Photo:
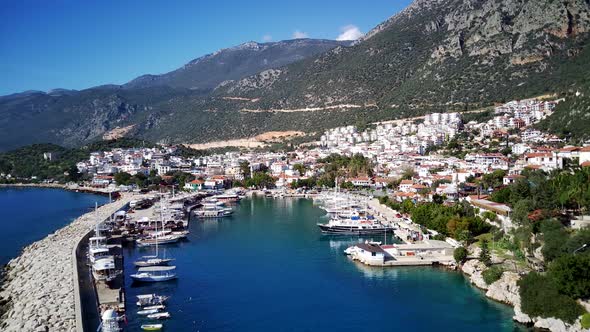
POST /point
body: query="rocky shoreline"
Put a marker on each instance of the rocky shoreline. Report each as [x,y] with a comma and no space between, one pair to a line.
[37,291]
[506,290]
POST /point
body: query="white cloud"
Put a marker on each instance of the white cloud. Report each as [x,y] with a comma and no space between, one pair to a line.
[300,34]
[266,38]
[349,32]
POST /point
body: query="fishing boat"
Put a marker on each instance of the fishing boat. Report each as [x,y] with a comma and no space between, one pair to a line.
[104,269]
[151,299]
[159,315]
[151,327]
[154,274]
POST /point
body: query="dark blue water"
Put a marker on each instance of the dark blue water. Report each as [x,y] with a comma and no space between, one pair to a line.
[29,214]
[269,268]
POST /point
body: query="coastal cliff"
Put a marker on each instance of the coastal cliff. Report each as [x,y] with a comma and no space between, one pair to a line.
[506,290]
[38,289]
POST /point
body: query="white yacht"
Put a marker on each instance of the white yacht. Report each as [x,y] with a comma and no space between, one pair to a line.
[354,225]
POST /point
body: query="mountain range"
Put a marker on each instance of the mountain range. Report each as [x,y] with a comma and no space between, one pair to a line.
[436,55]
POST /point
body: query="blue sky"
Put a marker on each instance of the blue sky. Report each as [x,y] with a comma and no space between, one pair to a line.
[76,44]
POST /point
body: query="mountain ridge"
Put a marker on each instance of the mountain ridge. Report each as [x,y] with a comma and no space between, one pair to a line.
[434,56]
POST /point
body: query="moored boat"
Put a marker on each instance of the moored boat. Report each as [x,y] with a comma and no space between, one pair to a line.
[159,315]
[151,327]
[151,299]
[354,225]
[146,312]
[152,261]
[154,274]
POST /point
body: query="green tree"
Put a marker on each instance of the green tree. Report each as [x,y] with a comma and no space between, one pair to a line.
[484,255]
[571,274]
[300,168]
[261,180]
[540,296]
[554,238]
[460,254]
[492,274]
[521,211]
[245,169]
[123,178]
[501,195]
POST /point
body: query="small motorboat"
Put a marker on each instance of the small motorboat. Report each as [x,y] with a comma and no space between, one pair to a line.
[151,327]
[150,299]
[158,307]
[148,312]
[159,315]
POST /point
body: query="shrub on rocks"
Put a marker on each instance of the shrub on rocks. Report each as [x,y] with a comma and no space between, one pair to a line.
[586,321]
[460,254]
[540,296]
[492,274]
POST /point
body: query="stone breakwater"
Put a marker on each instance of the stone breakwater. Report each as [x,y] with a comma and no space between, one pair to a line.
[506,290]
[38,287]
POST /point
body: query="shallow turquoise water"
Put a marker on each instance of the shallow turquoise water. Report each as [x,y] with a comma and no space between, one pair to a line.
[29,214]
[269,268]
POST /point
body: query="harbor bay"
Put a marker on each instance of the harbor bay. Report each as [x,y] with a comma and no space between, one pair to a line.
[29,214]
[268,266]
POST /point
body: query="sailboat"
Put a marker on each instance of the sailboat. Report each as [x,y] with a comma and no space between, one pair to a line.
[154,260]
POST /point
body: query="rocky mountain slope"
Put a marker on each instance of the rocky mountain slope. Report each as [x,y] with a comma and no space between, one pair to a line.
[436,55]
[206,72]
[72,117]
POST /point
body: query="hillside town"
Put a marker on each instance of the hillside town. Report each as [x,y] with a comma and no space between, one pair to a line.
[438,155]
[439,183]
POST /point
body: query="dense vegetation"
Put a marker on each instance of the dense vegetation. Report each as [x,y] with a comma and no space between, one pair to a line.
[458,221]
[541,203]
[540,296]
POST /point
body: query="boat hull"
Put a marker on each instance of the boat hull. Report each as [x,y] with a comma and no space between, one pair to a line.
[153,278]
[353,230]
[159,262]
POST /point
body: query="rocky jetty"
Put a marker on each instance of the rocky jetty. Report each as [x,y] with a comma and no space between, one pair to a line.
[37,293]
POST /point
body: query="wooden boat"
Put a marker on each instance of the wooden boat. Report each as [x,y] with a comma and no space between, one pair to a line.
[151,327]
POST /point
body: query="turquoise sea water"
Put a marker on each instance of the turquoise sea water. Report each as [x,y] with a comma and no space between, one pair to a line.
[268,268]
[29,214]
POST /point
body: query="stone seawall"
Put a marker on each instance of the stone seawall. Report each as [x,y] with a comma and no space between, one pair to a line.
[39,286]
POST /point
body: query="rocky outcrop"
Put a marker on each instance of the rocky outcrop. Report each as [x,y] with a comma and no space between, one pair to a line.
[506,290]
[474,268]
[38,286]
